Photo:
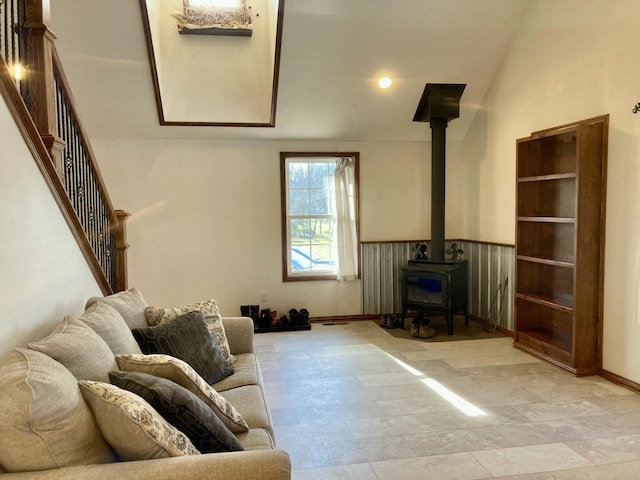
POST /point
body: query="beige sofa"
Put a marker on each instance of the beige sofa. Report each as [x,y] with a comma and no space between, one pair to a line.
[43,395]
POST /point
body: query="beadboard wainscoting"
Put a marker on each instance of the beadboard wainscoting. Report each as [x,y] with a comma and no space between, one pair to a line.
[491,277]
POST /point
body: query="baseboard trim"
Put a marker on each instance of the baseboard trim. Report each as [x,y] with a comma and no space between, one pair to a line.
[619,380]
[492,325]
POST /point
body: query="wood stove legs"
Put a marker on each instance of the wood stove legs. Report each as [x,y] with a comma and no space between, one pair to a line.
[448,315]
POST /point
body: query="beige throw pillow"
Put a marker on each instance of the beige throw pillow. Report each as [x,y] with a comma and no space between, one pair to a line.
[129,303]
[209,308]
[80,349]
[107,322]
[44,421]
[133,428]
[183,374]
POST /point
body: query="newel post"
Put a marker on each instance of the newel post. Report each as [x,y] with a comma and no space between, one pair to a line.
[121,250]
[40,75]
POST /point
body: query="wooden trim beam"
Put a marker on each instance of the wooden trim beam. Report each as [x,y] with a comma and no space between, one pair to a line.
[121,251]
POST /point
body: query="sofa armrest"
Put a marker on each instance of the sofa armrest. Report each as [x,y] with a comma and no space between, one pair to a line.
[247,465]
[239,332]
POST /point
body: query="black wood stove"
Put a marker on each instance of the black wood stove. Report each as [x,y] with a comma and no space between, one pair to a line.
[437,285]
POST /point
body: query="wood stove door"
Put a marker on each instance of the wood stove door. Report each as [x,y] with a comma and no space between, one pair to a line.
[425,289]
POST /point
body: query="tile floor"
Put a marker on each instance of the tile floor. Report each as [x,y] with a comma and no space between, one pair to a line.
[352,402]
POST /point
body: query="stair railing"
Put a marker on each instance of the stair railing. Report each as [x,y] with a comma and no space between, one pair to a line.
[31,67]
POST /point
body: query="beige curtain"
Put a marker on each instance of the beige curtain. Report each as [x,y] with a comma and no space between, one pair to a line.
[347,239]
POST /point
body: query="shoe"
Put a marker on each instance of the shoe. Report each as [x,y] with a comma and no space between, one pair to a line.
[255,313]
[294,317]
[304,316]
[250,311]
[425,330]
[264,320]
[383,320]
[415,328]
[393,321]
[273,318]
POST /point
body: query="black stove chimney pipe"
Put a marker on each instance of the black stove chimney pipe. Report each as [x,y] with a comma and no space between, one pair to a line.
[440,103]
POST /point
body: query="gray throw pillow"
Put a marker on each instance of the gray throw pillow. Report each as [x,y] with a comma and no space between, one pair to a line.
[180,372]
[187,338]
[180,408]
[209,308]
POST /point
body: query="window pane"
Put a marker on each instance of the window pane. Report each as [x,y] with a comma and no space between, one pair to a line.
[299,261]
[320,174]
[311,249]
[300,231]
[298,175]
[299,202]
[319,202]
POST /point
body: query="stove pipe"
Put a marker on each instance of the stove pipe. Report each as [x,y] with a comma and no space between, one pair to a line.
[440,103]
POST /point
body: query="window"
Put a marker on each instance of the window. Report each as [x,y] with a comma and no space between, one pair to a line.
[320,226]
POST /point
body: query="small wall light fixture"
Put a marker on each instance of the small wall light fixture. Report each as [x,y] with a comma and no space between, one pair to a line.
[18,71]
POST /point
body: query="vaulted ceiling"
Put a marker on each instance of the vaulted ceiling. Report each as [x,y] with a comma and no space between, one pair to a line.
[333,52]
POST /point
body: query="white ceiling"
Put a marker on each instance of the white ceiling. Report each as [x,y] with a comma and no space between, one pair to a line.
[333,52]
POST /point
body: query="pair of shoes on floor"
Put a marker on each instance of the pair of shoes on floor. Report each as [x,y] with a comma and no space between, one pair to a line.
[252,311]
[299,317]
[421,329]
[389,320]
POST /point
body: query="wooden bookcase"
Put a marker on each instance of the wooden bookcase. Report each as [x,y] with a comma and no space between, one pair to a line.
[560,213]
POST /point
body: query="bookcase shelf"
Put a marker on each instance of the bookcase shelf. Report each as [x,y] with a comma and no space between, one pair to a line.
[560,190]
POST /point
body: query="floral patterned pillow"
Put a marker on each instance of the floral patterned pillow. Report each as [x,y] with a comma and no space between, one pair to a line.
[131,426]
[209,308]
[183,374]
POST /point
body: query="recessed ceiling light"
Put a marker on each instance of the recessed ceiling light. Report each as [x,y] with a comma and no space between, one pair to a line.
[385,82]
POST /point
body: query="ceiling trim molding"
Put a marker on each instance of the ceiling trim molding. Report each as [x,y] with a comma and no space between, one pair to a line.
[156,83]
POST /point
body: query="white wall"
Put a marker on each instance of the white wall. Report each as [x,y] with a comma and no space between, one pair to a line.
[206,217]
[571,60]
[43,274]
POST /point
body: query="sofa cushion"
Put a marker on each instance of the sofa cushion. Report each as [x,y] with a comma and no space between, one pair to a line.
[187,338]
[245,372]
[107,322]
[250,402]
[182,409]
[209,308]
[80,349]
[131,426]
[256,439]
[183,374]
[44,421]
[129,303]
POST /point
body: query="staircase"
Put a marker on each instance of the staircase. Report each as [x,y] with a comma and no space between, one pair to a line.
[34,86]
